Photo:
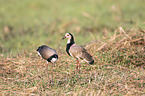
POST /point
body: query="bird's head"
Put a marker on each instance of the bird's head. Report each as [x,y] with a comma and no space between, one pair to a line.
[70,37]
[67,35]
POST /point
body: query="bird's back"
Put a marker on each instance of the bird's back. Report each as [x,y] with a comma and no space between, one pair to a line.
[46,51]
[79,52]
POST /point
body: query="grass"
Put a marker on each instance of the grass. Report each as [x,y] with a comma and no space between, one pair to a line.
[118,70]
[42,19]
[119,52]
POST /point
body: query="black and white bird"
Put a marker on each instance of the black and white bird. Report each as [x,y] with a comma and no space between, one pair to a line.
[48,54]
[77,51]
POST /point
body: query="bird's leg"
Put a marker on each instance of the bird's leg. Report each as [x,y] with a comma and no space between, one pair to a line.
[47,70]
[77,64]
[52,70]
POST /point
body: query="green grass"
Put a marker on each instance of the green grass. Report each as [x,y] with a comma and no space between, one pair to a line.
[119,63]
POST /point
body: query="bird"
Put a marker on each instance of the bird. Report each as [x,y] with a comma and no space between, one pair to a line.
[48,54]
[77,51]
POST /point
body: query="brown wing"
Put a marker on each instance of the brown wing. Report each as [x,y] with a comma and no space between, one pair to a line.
[75,51]
[79,52]
[86,55]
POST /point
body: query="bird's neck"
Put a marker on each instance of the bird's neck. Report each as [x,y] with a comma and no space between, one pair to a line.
[68,47]
[70,40]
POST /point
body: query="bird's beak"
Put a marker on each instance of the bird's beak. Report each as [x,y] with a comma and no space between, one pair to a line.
[63,38]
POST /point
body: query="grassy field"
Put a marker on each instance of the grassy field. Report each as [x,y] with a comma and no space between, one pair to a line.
[112,31]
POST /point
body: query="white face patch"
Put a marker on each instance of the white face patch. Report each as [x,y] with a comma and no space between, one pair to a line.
[54,60]
[67,35]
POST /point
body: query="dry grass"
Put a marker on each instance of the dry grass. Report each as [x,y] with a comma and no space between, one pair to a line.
[119,70]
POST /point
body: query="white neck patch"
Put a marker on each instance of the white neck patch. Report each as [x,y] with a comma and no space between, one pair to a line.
[68,41]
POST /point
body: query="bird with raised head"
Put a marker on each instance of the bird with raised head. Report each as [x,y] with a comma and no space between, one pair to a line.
[77,51]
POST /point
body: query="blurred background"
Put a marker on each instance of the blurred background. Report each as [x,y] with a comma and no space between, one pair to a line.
[27,24]
[112,31]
